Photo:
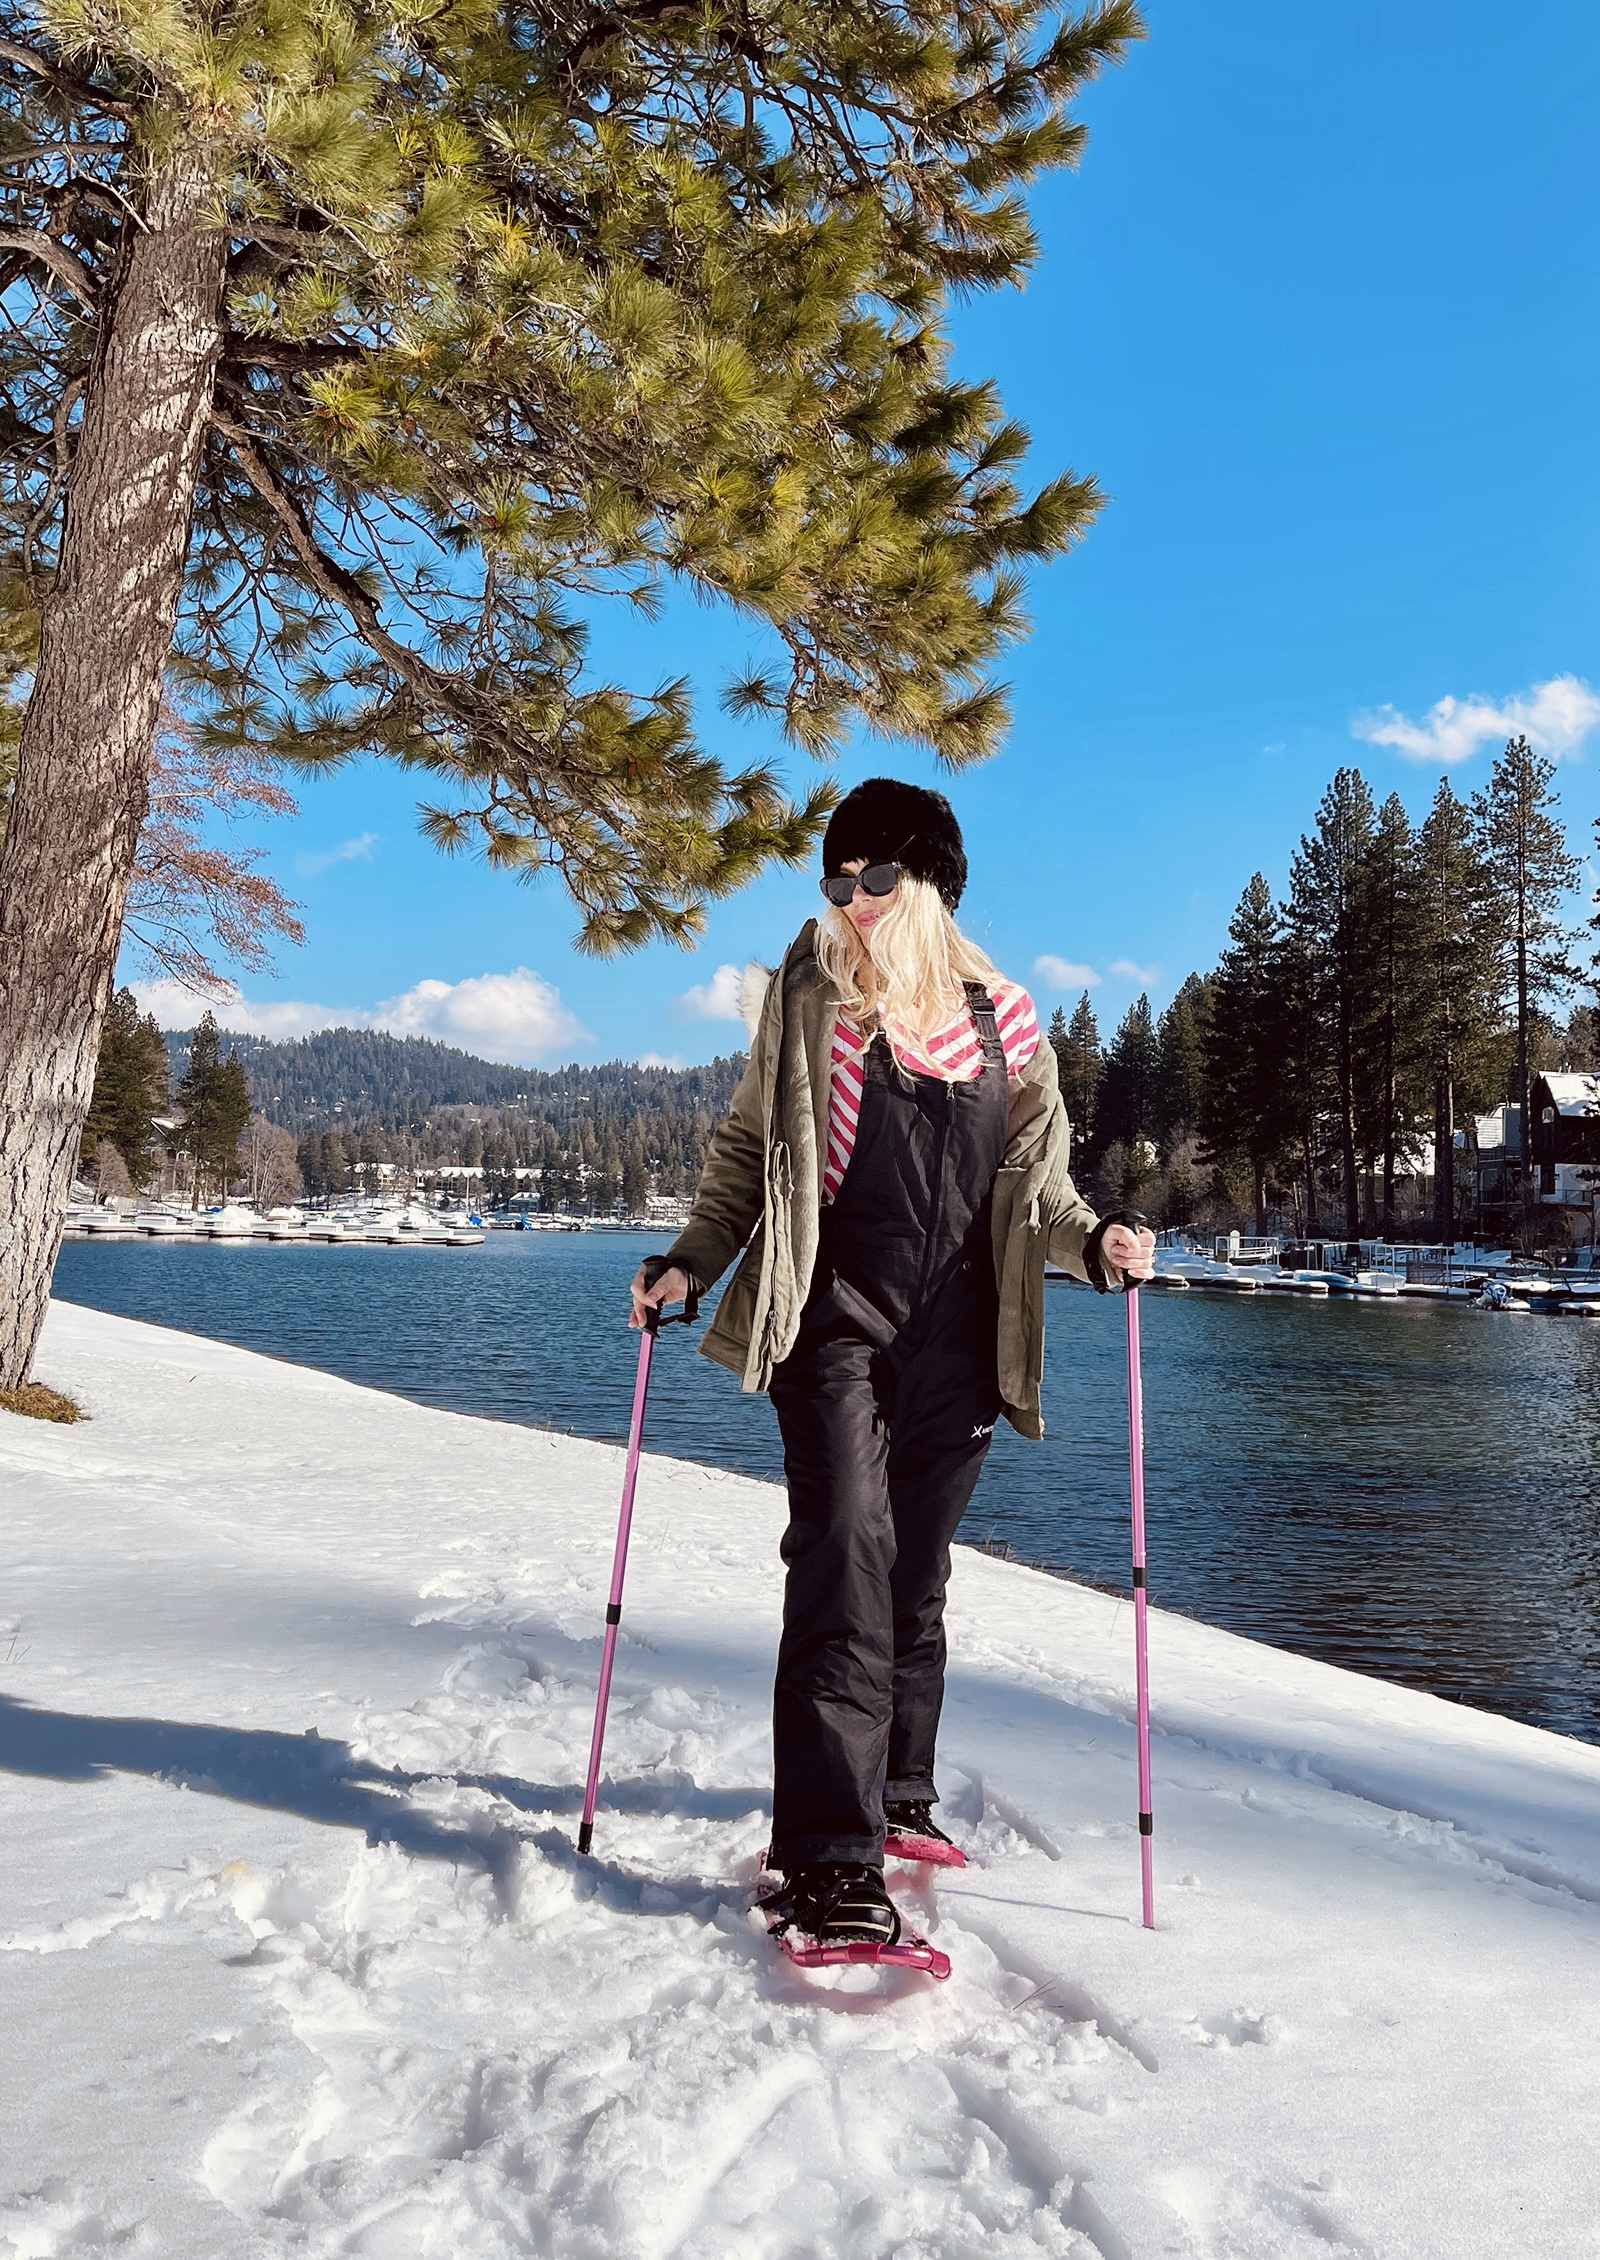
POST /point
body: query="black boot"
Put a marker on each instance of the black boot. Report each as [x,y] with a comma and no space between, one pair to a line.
[912,1816]
[836,1902]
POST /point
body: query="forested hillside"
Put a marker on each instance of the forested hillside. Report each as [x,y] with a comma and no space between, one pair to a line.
[346,1075]
[358,1101]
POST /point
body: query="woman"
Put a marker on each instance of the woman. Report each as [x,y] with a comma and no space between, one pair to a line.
[894,1166]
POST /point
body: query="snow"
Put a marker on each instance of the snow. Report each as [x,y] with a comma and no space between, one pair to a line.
[298,1955]
[1574,1095]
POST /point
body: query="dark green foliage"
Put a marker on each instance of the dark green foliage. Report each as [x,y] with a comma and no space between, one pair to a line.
[533,308]
[1326,902]
[1457,1022]
[1080,1063]
[1127,1110]
[1528,871]
[1181,1066]
[130,1087]
[1247,1114]
[213,1109]
[1391,1100]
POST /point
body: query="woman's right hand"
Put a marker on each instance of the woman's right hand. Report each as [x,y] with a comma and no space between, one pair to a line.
[671,1287]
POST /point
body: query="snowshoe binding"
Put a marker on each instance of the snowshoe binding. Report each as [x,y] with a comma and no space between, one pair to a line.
[910,1833]
[837,1911]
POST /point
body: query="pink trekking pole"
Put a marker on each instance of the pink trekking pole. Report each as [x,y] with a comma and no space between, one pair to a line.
[1141,1648]
[619,1560]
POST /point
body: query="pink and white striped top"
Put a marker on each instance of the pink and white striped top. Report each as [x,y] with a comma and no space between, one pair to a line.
[955,1055]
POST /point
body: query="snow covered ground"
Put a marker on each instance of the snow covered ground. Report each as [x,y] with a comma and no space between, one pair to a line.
[298,1955]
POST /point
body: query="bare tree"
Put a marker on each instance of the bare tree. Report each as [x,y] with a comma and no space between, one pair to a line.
[271,1163]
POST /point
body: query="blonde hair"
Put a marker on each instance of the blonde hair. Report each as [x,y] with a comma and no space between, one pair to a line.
[914,958]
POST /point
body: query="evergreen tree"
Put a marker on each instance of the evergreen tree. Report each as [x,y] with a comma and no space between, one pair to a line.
[1181,1069]
[1080,1064]
[1304,1064]
[130,1086]
[1246,1113]
[1528,869]
[1327,894]
[213,1109]
[1393,1089]
[635,1176]
[1456,1012]
[370,345]
[1125,1112]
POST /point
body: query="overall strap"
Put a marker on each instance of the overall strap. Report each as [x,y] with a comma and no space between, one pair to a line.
[981,1006]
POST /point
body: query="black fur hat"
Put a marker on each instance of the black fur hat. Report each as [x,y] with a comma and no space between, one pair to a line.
[884,821]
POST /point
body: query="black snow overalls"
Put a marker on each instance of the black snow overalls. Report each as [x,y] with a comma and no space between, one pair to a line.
[886,1405]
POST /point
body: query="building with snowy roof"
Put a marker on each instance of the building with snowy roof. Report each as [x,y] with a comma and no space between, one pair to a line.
[1564,1137]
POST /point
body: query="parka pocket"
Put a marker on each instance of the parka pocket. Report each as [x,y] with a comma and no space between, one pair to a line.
[1019,1266]
[780,1273]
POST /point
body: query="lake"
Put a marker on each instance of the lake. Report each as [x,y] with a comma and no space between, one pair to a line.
[1409,1489]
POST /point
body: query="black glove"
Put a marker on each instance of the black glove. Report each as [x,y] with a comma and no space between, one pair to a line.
[1093,1262]
[653,1268]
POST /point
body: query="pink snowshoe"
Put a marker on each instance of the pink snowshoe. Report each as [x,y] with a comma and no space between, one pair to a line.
[910,1833]
[838,1913]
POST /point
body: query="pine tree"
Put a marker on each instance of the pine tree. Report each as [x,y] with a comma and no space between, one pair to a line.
[1125,1112]
[1394,1096]
[1456,1011]
[362,348]
[213,1109]
[1247,1114]
[1528,869]
[1327,889]
[1181,1071]
[1080,1064]
[130,1086]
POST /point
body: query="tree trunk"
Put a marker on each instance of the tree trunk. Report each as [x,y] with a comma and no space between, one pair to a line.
[84,763]
[1347,1126]
[1520,1095]
[1313,1207]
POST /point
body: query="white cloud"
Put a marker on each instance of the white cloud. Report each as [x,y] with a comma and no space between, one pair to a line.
[1555,718]
[716,999]
[660,1059]
[175,1006]
[517,1016]
[1061,973]
[359,850]
[1125,970]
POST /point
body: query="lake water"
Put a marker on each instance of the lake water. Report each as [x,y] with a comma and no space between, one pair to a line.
[1409,1489]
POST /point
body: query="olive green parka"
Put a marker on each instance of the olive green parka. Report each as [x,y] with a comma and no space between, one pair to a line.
[761,1191]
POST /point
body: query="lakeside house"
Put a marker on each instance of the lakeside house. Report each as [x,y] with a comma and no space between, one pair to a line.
[1564,1138]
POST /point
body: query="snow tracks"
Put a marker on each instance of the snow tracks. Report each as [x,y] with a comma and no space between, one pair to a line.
[531,2053]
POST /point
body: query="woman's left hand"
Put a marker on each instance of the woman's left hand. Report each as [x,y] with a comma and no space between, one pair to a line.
[1125,1250]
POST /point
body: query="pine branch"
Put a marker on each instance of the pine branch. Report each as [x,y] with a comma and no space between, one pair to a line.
[66,83]
[64,264]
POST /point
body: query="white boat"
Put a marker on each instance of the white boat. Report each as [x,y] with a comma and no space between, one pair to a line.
[109,1224]
[230,1223]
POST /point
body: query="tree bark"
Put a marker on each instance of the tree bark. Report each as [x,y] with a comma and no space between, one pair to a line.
[1347,1123]
[84,763]
[1520,1095]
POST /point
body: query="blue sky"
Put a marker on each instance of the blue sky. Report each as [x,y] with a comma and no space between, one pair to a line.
[1320,313]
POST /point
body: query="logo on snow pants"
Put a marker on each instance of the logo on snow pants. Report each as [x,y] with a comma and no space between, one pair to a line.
[981,1431]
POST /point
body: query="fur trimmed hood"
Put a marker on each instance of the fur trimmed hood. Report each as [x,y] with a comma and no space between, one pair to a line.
[754,982]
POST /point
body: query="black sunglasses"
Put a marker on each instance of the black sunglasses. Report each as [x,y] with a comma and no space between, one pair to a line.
[877,879]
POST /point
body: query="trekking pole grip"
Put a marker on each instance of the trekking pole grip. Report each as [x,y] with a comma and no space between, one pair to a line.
[653,1267]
